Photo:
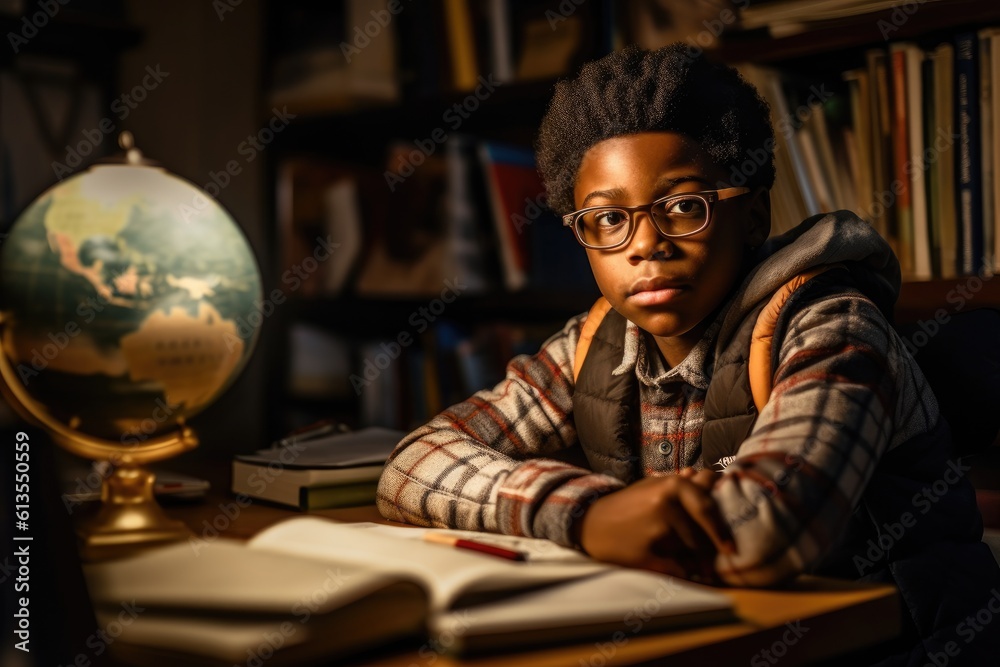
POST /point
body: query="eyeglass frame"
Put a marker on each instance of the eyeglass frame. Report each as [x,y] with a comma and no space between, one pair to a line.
[709,197]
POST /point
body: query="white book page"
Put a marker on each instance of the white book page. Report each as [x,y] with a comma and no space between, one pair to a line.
[535,550]
[225,575]
[448,572]
[637,600]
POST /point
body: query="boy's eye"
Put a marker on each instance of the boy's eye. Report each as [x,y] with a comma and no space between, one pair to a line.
[686,207]
[608,218]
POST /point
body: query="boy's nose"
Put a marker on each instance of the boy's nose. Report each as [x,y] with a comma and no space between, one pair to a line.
[647,242]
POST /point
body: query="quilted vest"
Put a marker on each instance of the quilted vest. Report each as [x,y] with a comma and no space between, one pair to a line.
[945,543]
[605,406]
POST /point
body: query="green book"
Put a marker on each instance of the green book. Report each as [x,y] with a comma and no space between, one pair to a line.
[337,495]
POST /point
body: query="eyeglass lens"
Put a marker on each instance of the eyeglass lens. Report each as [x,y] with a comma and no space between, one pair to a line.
[606,227]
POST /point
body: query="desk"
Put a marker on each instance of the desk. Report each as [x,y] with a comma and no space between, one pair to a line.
[831,617]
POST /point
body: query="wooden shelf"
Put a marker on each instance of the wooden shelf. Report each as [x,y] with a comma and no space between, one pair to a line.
[921,300]
[383,316]
[830,41]
[512,112]
[88,39]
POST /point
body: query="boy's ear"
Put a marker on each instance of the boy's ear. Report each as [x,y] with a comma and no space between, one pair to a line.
[759,217]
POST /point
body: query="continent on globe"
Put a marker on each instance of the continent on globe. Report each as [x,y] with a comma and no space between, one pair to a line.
[191,357]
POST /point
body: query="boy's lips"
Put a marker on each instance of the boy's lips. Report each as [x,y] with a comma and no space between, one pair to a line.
[655,291]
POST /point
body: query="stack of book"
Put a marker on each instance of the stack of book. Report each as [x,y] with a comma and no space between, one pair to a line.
[317,470]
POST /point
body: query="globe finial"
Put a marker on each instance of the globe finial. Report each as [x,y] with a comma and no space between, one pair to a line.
[127,143]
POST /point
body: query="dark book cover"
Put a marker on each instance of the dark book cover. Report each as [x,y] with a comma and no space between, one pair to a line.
[968,159]
[900,159]
[930,174]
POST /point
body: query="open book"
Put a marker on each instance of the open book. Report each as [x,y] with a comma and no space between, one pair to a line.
[310,588]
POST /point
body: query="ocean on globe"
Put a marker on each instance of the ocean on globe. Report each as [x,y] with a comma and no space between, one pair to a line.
[125,291]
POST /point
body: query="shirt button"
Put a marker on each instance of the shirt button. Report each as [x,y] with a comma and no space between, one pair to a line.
[665,447]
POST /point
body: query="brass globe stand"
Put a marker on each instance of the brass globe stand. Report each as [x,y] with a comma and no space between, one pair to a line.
[129,518]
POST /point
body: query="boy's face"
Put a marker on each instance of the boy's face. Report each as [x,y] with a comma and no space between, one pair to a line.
[668,286]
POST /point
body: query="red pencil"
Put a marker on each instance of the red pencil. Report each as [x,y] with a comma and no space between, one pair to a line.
[500,552]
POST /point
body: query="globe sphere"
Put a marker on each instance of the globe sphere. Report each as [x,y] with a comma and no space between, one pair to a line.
[126,294]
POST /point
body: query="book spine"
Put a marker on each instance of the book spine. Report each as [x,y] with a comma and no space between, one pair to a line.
[901,154]
[461,39]
[944,94]
[930,171]
[501,45]
[467,251]
[859,140]
[915,163]
[801,170]
[336,495]
[986,147]
[994,110]
[968,166]
[881,142]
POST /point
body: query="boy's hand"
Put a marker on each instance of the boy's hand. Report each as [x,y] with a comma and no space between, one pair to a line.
[667,524]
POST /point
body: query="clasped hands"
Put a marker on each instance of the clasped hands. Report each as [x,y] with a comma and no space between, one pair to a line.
[668,524]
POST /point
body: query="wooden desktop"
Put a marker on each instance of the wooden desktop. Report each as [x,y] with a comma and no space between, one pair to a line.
[815,619]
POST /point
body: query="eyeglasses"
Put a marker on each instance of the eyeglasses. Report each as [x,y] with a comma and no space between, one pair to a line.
[674,216]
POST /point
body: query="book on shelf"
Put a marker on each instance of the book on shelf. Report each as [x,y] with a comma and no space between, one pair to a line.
[968,163]
[344,227]
[329,59]
[943,168]
[515,190]
[330,590]
[986,149]
[320,224]
[860,140]
[929,173]
[901,166]
[876,62]
[915,161]
[335,470]
[990,109]
[434,232]
[520,40]
[788,199]
[501,40]
[471,257]
[461,43]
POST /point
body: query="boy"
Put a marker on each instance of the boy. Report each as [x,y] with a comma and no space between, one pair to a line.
[679,472]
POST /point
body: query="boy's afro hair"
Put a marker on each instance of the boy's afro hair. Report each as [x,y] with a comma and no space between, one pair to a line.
[633,90]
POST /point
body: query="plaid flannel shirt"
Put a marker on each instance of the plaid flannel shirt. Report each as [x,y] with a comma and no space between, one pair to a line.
[845,391]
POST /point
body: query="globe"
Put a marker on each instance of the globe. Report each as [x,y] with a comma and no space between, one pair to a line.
[123,290]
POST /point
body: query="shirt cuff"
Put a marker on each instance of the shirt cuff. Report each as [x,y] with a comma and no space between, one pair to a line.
[544,497]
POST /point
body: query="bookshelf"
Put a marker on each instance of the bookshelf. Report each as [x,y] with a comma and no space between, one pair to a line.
[355,138]
[834,55]
[361,135]
[827,45]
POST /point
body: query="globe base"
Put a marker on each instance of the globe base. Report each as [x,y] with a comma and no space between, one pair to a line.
[129,520]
